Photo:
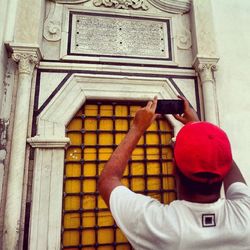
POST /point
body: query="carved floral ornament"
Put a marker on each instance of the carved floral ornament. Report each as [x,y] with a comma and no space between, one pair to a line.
[69,1]
[52,30]
[122,4]
[172,6]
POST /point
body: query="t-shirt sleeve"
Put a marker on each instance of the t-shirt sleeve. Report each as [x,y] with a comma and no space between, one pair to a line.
[238,190]
[126,207]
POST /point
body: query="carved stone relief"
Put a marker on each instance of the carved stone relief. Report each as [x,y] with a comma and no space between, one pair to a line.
[69,1]
[206,72]
[184,40]
[172,6]
[26,61]
[206,67]
[120,36]
[122,4]
[53,23]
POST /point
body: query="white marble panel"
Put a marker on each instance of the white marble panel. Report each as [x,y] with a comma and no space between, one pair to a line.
[47,199]
[122,69]
[119,36]
[187,87]
[48,83]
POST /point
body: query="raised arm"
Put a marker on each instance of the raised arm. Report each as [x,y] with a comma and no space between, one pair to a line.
[113,170]
[234,175]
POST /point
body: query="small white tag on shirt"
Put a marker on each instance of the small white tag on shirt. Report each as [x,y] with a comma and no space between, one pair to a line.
[208,220]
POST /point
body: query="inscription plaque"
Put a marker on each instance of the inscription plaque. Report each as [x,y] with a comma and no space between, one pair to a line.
[120,36]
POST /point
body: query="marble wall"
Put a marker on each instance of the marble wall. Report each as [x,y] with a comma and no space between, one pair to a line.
[68,74]
[3,62]
[7,79]
[231,19]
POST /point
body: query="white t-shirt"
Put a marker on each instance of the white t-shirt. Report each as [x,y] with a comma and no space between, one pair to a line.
[182,225]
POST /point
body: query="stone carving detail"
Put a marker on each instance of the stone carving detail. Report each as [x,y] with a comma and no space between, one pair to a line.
[26,62]
[52,25]
[52,142]
[122,4]
[69,1]
[120,37]
[52,30]
[206,72]
[205,67]
[184,40]
[172,6]
[183,35]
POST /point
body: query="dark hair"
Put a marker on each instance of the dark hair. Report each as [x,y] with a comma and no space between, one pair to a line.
[203,188]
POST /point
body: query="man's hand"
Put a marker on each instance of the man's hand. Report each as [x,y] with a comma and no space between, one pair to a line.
[189,114]
[144,117]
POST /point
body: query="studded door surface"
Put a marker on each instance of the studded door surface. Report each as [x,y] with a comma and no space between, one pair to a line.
[95,131]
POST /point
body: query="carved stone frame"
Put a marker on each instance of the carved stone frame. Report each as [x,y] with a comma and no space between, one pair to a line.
[116,59]
[50,141]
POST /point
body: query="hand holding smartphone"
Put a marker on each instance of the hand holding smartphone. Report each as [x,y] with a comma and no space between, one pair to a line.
[170,107]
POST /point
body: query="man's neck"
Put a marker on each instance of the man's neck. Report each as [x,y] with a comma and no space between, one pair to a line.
[199,198]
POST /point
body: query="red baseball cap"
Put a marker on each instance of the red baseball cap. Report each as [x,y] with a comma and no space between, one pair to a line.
[203,149]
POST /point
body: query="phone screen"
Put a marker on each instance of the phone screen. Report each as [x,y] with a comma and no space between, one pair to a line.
[170,107]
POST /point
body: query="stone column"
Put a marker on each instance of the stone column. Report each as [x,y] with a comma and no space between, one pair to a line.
[47,192]
[26,57]
[205,55]
[205,68]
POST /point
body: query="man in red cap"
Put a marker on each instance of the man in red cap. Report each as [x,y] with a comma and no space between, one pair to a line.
[199,219]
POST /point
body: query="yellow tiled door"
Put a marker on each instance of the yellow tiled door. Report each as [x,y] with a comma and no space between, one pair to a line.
[94,132]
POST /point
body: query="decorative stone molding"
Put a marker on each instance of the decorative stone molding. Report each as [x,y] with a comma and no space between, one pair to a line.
[69,1]
[42,142]
[206,67]
[172,6]
[123,70]
[26,62]
[27,56]
[52,30]
[52,25]
[206,72]
[122,4]
[184,39]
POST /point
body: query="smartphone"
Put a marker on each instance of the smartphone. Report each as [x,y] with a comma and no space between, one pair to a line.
[170,107]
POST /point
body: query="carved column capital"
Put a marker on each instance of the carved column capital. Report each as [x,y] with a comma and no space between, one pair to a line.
[26,62]
[27,56]
[206,72]
[205,67]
